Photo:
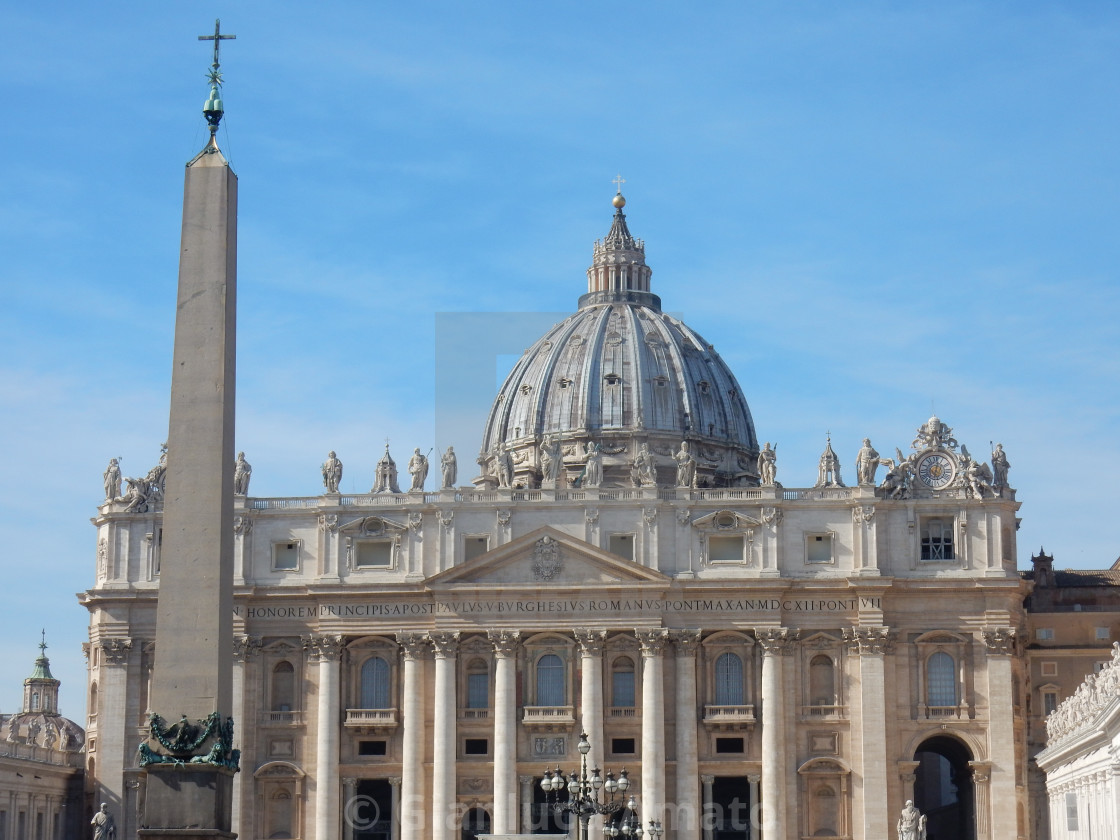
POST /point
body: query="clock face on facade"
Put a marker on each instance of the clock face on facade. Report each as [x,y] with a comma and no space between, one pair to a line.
[936,471]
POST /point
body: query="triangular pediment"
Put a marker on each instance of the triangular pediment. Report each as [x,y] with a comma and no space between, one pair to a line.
[547,557]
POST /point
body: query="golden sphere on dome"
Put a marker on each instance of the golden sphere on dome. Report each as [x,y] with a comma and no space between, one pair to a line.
[618,201]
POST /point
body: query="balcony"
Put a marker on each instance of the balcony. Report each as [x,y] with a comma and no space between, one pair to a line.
[468,715]
[944,711]
[728,718]
[622,713]
[284,718]
[548,718]
[825,712]
[371,720]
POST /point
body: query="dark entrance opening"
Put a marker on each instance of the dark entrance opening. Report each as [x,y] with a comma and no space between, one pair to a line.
[943,789]
[545,820]
[730,809]
[370,812]
[475,822]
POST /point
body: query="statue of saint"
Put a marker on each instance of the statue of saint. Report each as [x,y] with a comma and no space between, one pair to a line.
[551,462]
[686,466]
[999,467]
[504,463]
[241,473]
[332,472]
[911,823]
[418,469]
[103,826]
[449,466]
[593,469]
[768,465]
[867,462]
[112,480]
[643,472]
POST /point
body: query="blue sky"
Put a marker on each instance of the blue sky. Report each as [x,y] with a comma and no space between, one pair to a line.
[871,209]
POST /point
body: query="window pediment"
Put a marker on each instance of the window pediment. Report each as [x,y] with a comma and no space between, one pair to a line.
[372,526]
[725,520]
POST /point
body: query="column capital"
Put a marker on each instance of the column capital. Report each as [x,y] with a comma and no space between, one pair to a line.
[413,645]
[981,771]
[525,780]
[590,641]
[707,780]
[115,651]
[348,781]
[1000,641]
[777,641]
[246,647]
[323,647]
[873,640]
[445,644]
[685,641]
[754,778]
[395,781]
[505,642]
[653,641]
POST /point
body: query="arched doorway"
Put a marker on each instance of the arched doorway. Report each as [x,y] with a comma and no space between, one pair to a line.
[475,822]
[943,789]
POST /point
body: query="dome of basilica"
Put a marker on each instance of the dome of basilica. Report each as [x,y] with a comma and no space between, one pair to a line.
[616,375]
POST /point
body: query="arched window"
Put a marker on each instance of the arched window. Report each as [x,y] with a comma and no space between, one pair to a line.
[283,687]
[822,685]
[280,815]
[729,680]
[941,680]
[375,684]
[478,685]
[34,701]
[92,699]
[550,680]
[622,683]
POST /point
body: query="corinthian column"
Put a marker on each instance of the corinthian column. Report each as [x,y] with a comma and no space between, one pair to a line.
[327,651]
[445,645]
[1001,644]
[653,723]
[871,644]
[412,810]
[591,693]
[688,806]
[775,641]
[505,731]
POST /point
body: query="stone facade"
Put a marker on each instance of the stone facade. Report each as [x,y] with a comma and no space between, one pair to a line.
[795,661]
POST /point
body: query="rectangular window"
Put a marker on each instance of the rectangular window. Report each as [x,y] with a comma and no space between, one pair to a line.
[1049,702]
[725,549]
[372,747]
[475,547]
[1044,634]
[1104,633]
[374,554]
[622,545]
[285,556]
[729,745]
[818,548]
[622,746]
[1049,669]
[937,540]
[478,691]
[476,746]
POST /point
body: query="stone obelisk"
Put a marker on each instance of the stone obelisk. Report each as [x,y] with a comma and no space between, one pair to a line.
[189,758]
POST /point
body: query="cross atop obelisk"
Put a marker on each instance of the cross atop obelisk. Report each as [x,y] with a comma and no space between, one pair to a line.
[189,757]
[217,38]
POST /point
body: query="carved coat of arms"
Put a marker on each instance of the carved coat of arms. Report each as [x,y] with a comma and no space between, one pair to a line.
[547,562]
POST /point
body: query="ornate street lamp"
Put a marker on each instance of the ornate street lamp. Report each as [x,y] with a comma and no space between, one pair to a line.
[585,797]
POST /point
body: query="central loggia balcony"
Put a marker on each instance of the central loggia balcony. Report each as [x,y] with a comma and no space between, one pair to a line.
[729,718]
[548,718]
[371,720]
